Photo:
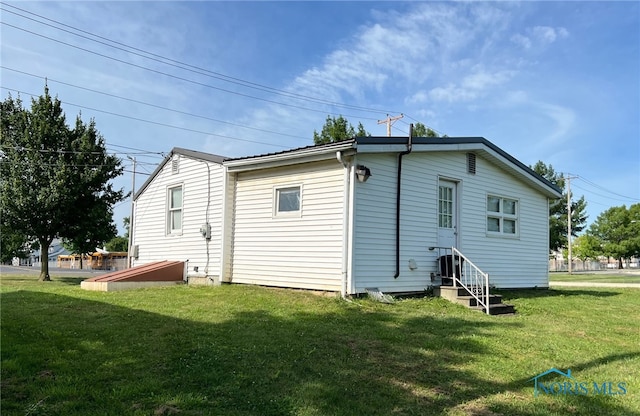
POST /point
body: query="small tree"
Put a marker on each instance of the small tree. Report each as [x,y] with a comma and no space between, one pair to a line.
[55,180]
[587,247]
[120,243]
[619,230]
[337,130]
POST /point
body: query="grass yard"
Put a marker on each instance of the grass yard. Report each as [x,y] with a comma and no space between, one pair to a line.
[596,277]
[246,350]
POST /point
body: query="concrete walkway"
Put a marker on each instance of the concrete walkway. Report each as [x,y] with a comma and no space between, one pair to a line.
[594,284]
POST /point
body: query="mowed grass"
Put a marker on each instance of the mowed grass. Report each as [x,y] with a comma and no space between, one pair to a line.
[247,350]
[596,277]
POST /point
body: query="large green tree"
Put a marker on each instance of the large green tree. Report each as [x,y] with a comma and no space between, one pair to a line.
[618,229]
[338,129]
[558,212]
[55,181]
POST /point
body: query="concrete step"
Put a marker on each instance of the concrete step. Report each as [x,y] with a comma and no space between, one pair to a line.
[499,309]
[463,297]
[450,292]
[471,301]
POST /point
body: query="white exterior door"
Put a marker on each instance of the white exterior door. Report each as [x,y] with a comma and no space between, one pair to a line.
[447,214]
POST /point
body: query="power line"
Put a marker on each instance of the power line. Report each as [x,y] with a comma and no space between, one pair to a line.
[178,77]
[418,121]
[181,65]
[189,67]
[138,150]
[152,122]
[215,75]
[606,190]
[153,105]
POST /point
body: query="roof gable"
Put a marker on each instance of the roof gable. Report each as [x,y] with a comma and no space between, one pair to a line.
[192,154]
[479,145]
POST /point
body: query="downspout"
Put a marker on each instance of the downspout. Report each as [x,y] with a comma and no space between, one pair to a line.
[398,189]
[345,224]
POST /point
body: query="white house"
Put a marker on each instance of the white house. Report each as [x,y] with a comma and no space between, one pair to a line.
[181,196]
[349,215]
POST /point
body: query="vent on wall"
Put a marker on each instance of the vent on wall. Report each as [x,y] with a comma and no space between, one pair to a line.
[471,163]
[175,163]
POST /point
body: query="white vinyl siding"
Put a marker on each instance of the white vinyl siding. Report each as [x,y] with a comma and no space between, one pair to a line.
[153,212]
[302,251]
[514,262]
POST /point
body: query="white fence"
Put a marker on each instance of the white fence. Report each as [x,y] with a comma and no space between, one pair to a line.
[114,265]
[561,265]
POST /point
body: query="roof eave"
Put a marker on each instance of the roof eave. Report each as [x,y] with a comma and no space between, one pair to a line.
[303,155]
[466,144]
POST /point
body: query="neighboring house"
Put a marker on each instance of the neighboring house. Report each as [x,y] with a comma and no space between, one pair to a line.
[347,216]
[56,248]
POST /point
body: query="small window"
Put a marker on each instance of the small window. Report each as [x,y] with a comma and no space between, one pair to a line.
[502,216]
[174,210]
[287,200]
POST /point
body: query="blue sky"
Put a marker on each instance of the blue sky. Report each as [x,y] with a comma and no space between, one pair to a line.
[551,81]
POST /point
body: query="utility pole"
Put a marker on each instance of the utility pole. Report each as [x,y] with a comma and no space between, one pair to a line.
[133,190]
[389,122]
[569,260]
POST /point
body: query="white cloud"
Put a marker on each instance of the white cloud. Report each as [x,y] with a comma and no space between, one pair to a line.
[539,36]
[563,118]
[471,87]
[546,34]
[521,40]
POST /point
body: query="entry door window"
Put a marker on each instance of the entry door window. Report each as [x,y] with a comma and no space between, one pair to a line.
[445,207]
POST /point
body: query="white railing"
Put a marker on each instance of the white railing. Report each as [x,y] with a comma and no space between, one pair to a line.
[471,278]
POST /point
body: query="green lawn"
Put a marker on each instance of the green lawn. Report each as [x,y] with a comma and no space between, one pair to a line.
[595,277]
[246,350]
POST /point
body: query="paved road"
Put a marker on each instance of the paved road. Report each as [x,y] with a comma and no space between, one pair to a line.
[53,271]
[594,284]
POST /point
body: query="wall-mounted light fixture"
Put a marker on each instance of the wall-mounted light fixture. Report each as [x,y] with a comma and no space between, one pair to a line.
[363,173]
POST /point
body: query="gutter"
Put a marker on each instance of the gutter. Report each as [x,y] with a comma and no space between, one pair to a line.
[398,189]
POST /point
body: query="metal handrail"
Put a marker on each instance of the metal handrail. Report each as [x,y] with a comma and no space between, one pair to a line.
[472,279]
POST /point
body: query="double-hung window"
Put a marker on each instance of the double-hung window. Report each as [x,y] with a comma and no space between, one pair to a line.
[174,210]
[502,216]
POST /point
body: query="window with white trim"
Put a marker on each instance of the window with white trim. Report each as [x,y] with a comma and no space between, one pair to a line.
[174,210]
[288,201]
[445,206]
[502,216]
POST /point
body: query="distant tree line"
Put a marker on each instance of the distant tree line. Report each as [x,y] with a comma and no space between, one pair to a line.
[615,234]
[337,129]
